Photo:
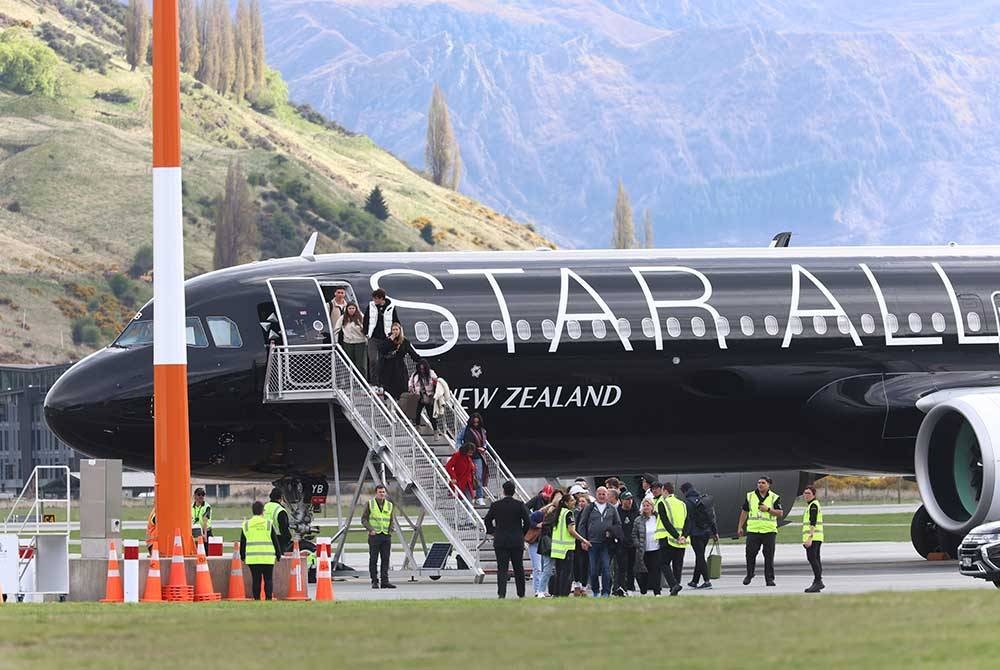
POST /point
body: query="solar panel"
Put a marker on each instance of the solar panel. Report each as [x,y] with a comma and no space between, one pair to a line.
[437,556]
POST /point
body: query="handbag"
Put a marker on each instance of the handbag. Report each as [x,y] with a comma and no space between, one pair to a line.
[532,535]
[715,562]
[545,545]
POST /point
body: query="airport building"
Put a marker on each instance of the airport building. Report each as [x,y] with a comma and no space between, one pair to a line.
[25,439]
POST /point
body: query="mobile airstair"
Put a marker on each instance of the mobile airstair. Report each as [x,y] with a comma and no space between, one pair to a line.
[324,373]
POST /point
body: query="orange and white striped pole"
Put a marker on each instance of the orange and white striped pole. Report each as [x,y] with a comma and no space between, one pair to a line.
[170,394]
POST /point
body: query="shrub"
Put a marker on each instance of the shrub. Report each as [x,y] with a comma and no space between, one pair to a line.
[85,331]
[14,206]
[118,96]
[270,96]
[26,65]
[427,233]
[142,262]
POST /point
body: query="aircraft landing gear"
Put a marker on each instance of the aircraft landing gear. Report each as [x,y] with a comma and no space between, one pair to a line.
[927,538]
[304,495]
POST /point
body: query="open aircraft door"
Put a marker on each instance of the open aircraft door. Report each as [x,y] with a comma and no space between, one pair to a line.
[301,311]
[995,301]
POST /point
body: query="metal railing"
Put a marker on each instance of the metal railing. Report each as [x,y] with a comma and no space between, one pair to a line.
[31,503]
[312,372]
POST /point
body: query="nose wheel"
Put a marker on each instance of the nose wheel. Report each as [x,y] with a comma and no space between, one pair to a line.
[928,538]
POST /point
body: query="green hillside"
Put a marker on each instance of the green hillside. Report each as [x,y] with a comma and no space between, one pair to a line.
[76,188]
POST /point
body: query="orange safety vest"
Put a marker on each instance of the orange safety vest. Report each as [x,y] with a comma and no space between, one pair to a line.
[151,534]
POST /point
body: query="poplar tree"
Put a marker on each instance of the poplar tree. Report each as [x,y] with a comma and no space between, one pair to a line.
[244,80]
[257,44]
[137,32]
[227,47]
[190,43]
[208,70]
[237,235]
[623,236]
[444,162]
[647,224]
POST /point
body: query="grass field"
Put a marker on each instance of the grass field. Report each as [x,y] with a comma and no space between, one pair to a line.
[878,630]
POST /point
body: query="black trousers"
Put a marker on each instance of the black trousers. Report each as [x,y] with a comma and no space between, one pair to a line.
[430,412]
[812,555]
[756,541]
[504,557]
[257,573]
[624,571]
[651,579]
[667,563]
[564,574]
[699,543]
[581,566]
[379,546]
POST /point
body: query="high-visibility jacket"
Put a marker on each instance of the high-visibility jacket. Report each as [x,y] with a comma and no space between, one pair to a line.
[661,530]
[380,519]
[677,515]
[271,512]
[757,521]
[562,541]
[199,513]
[818,533]
[259,547]
[151,533]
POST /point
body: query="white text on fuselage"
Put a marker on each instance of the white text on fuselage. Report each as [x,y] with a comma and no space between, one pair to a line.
[658,307]
[531,397]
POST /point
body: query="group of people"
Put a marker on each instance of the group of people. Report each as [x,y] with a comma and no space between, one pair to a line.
[615,541]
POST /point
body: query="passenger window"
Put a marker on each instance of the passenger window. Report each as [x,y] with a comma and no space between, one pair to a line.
[421,331]
[795,323]
[819,325]
[625,328]
[224,331]
[647,327]
[548,329]
[599,328]
[974,324]
[722,325]
[698,326]
[573,329]
[746,325]
[674,327]
[472,331]
[843,324]
[771,325]
[868,323]
[447,331]
[914,322]
[893,323]
[499,332]
[524,330]
[195,332]
[937,322]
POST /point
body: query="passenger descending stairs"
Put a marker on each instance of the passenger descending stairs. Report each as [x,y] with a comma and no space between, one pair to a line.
[324,373]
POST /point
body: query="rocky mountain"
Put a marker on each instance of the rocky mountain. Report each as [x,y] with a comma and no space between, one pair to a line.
[844,121]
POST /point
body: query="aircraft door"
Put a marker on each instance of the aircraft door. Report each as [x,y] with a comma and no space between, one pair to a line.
[301,311]
[995,301]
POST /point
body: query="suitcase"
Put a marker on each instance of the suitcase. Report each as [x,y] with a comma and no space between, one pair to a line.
[715,562]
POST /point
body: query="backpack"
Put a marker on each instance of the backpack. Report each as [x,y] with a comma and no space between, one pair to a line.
[703,511]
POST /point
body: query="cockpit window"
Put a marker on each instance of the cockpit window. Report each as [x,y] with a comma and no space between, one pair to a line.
[194,332]
[136,334]
[225,334]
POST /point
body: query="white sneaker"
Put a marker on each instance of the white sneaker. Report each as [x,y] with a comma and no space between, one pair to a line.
[480,501]
[540,595]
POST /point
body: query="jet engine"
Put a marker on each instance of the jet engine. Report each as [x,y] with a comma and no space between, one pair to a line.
[957,460]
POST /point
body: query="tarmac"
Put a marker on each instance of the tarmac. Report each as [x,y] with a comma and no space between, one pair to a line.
[855,567]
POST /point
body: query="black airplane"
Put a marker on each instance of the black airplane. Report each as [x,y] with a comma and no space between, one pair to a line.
[799,360]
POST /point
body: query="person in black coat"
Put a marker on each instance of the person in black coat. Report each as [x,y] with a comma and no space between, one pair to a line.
[394,377]
[507,521]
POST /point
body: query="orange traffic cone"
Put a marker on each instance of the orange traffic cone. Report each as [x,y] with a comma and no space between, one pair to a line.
[324,577]
[203,590]
[113,592]
[296,583]
[154,585]
[178,590]
[236,589]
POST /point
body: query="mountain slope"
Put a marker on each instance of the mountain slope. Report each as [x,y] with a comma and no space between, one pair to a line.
[76,190]
[846,122]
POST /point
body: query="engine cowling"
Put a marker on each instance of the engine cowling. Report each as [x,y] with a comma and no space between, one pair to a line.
[957,459]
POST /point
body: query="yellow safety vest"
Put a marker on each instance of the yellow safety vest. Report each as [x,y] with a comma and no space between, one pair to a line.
[562,541]
[757,521]
[677,512]
[198,512]
[259,547]
[271,511]
[379,519]
[661,530]
[818,533]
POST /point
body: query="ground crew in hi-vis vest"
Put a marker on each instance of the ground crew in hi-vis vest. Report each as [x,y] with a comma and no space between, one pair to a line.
[564,539]
[759,522]
[672,527]
[259,550]
[812,536]
[377,520]
[201,516]
[276,513]
[151,533]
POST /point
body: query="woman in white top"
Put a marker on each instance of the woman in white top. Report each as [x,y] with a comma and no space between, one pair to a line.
[647,550]
[352,336]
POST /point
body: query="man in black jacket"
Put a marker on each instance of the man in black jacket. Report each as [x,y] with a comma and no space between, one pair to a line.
[625,576]
[703,528]
[508,521]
